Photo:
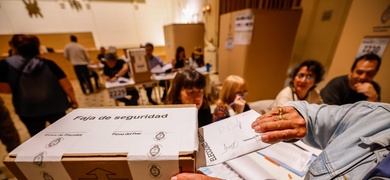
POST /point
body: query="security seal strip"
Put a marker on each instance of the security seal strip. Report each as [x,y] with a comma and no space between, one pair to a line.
[161,159]
[95,131]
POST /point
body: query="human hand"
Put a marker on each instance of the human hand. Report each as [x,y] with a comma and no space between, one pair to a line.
[239,104]
[113,79]
[192,176]
[93,63]
[368,90]
[75,105]
[280,124]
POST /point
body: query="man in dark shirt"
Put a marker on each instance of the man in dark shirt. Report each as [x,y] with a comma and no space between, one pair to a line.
[115,68]
[358,85]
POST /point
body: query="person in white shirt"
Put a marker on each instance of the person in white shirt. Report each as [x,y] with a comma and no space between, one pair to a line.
[78,56]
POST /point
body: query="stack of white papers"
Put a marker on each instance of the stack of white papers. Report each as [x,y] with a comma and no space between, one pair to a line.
[243,167]
[290,157]
[159,69]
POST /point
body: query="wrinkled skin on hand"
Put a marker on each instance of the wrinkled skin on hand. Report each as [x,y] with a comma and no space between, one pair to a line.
[275,130]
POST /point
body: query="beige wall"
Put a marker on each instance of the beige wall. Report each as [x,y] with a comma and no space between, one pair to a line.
[362,17]
[185,35]
[124,23]
[267,55]
[317,39]
[211,22]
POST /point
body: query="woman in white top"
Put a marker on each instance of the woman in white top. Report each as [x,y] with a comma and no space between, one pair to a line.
[196,60]
[302,86]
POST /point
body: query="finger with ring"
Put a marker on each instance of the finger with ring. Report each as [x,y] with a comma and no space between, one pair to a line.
[280,109]
[281,117]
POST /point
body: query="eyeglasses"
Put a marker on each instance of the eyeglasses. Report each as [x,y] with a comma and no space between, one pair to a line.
[193,92]
[309,77]
[242,93]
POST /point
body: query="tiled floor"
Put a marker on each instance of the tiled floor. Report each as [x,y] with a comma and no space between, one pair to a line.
[98,99]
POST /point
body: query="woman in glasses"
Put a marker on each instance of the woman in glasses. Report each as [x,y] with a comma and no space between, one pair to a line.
[231,98]
[304,79]
[188,88]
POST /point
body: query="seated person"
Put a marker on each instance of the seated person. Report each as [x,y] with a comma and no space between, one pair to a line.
[180,59]
[101,55]
[231,98]
[153,61]
[302,86]
[113,69]
[197,59]
[188,88]
[358,85]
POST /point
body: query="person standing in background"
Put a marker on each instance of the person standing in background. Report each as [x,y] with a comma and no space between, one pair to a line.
[10,49]
[78,56]
[40,89]
[8,134]
[153,61]
[358,85]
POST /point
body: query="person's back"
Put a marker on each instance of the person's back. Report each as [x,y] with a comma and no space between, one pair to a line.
[39,92]
[358,85]
[40,88]
[79,58]
[76,53]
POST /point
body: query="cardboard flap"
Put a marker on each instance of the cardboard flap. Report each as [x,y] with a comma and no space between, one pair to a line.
[139,65]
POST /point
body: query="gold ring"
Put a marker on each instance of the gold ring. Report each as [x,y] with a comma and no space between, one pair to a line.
[280,109]
[281,117]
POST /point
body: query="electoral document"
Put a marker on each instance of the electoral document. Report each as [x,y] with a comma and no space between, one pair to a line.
[228,139]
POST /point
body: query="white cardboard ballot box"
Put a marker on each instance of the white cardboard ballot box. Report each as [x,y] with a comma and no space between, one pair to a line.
[121,143]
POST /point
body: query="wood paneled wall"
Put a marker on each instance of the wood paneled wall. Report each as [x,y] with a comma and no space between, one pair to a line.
[57,41]
[227,6]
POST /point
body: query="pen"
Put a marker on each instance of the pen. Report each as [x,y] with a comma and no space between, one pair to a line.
[232,103]
[272,161]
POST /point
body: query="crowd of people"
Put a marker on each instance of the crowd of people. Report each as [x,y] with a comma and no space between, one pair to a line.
[344,115]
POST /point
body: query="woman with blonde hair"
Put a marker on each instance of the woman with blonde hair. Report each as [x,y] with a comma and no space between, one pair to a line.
[231,98]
